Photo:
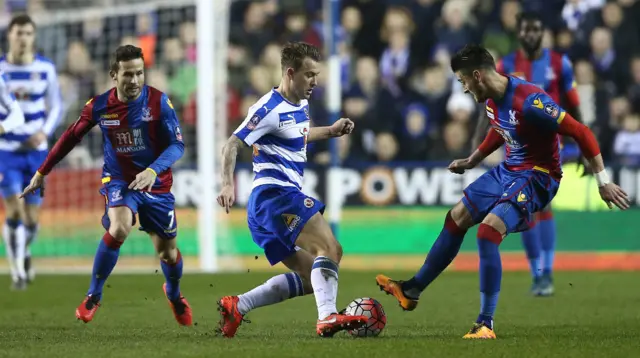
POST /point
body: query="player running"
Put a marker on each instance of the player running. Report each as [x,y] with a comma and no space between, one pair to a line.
[504,199]
[551,71]
[34,82]
[283,221]
[142,139]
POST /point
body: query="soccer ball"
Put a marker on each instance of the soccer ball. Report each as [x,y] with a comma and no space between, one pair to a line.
[371,308]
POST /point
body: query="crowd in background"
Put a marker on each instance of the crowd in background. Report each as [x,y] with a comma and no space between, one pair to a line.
[396,81]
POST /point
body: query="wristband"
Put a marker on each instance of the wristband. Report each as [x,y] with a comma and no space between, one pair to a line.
[153,171]
[602,178]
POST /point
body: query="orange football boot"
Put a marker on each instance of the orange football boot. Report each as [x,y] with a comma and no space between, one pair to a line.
[393,287]
[337,322]
[480,331]
[180,307]
[230,317]
[87,309]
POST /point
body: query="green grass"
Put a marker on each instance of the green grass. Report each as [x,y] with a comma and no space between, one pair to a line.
[592,315]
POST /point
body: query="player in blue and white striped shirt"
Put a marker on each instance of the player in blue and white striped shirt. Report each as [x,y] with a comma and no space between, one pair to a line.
[287,224]
[33,81]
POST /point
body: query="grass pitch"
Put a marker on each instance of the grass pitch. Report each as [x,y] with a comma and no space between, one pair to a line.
[592,315]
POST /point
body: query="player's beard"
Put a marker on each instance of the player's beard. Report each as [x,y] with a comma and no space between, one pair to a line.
[531,48]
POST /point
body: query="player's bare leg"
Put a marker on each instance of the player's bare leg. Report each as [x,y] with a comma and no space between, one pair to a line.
[277,289]
[171,263]
[442,253]
[491,232]
[121,222]
[32,216]
[317,239]
[15,241]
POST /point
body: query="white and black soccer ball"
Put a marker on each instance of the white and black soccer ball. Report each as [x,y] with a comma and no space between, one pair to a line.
[371,308]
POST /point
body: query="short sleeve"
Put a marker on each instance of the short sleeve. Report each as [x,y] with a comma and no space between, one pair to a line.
[259,122]
[6,97]
[543,111]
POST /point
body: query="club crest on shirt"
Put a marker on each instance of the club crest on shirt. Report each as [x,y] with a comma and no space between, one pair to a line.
[146,114]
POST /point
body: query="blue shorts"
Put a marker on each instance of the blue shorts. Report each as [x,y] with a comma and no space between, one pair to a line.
[16,171]
[514,196]
[276,215]
[156,211]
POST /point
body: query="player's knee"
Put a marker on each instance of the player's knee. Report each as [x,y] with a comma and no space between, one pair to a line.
[31,216]
[461,216]
[329,247]
[168,254]
[120,230]
[491,225]
[12,208]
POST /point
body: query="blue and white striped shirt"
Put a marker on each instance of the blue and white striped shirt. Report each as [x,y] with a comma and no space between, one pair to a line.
[35,86]
[278,131]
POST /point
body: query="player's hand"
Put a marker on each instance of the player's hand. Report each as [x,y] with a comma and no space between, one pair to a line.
[37,182]
[227,197]
[144,180]
[341,127]
[459,166]
[614,195]
[2,130]
[36,139]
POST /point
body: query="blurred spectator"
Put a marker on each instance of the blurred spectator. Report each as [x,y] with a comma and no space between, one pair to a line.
[503,37]
[455,30]
[394,54]
[627,144]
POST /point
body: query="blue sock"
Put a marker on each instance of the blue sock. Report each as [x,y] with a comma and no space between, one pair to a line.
[531,243]
[548,243]
[490,272]
[104,262]
[172,274]
[442,253]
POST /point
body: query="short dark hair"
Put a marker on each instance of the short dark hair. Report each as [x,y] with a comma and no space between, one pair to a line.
[471,58]
[20,20]
[124,53]
[293,53]
[528,16]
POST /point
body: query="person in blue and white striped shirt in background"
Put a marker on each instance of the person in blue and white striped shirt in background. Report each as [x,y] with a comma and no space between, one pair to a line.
[33,81]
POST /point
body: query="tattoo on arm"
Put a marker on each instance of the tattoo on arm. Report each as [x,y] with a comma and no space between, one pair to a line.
[229,154]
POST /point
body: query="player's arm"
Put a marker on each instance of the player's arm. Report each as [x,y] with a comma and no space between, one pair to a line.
[54,104]
[171,127]
[258,123]
[338,129]
[540,109]
[490,144]
[15,116]
[69,139]
[568,84]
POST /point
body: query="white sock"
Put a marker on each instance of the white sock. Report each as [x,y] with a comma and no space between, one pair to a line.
[276,289]
[8,234]
[20,251]
[324,280]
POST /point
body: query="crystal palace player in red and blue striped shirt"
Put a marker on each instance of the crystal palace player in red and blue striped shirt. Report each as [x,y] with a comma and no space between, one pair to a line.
[553,72]
[142,139]
[502,201]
